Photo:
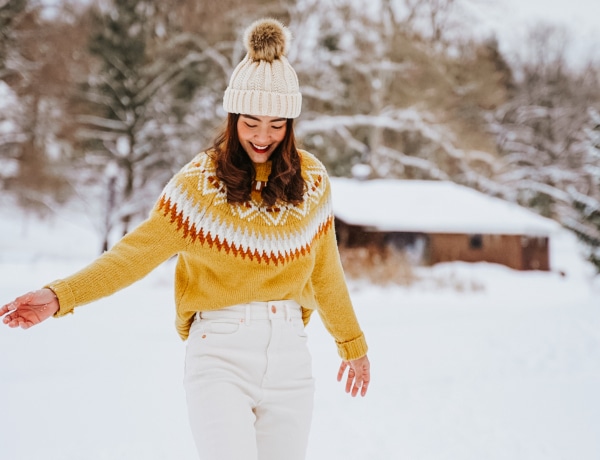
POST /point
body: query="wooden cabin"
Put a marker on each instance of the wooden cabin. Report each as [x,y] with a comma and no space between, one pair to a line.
[437,221]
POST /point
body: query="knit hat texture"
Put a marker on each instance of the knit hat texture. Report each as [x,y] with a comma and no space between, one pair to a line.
[264,83]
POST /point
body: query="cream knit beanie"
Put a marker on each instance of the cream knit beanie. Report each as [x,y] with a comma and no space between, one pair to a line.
[264,83]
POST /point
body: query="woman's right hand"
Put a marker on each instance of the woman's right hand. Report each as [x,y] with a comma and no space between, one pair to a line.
[30,309]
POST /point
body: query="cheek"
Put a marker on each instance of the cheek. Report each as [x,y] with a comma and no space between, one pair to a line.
[242,133]
[279,135]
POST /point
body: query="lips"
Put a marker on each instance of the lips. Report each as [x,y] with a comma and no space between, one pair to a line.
[260,148]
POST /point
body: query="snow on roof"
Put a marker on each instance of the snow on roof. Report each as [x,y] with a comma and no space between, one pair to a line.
[431,206]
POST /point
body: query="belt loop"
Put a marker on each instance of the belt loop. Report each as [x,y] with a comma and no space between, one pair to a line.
[248,314]
[288,313]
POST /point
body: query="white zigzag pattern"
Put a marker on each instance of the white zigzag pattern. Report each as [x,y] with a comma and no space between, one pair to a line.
[241,238]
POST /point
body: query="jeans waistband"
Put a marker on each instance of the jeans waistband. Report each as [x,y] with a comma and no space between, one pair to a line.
[253,311]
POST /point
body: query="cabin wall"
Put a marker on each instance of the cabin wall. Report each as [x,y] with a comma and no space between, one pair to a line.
[500,249]
[515,251]
[536,253]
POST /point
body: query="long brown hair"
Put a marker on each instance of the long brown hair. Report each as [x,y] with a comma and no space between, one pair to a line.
[236,171]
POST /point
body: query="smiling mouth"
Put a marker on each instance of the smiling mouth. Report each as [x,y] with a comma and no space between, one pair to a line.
[260,148]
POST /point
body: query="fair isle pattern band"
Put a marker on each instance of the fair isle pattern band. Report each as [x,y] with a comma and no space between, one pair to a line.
[215,225]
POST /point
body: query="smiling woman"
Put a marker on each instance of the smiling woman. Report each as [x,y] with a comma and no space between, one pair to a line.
[251,222]
[259,154]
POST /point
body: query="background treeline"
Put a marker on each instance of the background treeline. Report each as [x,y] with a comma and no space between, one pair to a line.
[101,103]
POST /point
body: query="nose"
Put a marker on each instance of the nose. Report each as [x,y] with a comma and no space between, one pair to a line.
[262,135]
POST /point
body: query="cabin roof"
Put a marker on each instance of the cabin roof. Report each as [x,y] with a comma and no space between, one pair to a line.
[431,207]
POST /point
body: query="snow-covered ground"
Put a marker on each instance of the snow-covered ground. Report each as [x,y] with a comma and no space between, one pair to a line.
[474,362]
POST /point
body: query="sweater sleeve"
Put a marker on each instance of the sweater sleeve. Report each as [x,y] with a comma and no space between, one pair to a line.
[133,257]
[333,298]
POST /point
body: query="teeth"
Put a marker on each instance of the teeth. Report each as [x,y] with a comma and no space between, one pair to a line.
[260,147]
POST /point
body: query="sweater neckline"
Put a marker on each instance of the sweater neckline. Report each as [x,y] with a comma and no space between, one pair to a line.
[263,170]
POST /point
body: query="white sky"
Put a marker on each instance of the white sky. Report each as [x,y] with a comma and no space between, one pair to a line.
[511,19]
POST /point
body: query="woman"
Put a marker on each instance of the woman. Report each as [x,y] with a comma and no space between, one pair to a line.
[251,222]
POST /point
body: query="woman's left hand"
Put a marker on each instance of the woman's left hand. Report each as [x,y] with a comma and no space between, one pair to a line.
[359,375]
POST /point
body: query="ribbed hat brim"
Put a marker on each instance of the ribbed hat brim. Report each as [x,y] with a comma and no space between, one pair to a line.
[262,103]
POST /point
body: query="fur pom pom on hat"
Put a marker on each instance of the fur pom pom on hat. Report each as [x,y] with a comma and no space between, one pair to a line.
[267,40]
[264,83]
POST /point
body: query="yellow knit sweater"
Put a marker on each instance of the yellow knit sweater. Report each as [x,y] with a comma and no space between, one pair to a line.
[232,253]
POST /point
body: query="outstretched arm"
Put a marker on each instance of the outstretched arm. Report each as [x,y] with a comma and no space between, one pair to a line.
[30,309]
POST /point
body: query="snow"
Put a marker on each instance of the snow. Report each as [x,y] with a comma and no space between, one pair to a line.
[474,361]
[432,206]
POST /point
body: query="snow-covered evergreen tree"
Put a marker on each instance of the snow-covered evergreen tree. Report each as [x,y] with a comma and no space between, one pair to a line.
[127,125]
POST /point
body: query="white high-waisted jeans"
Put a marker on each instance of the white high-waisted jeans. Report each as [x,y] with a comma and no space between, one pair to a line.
[248,382]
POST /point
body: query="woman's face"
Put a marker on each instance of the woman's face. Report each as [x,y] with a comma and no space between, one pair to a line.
[260,135]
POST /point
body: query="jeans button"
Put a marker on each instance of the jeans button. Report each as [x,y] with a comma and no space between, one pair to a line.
[273,308]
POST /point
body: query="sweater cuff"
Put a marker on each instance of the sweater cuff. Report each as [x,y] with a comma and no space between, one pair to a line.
[353,349]
[66,298]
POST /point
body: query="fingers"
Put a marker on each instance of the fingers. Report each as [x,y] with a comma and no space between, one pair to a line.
[354,382]
[350,379]
[356,387]
[15,304]
[360,385]
[12,306]
[7,309]
[363,386]
[351,375]
[343,367]
[359,376]
[17,321]
[12,318]
[29,309]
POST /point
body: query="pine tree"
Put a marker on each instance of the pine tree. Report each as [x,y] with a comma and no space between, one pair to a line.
[127,123]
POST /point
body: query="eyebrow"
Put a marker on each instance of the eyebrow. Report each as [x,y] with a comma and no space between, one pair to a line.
[274,120]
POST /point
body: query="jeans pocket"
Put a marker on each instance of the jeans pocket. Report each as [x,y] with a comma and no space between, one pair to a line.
[199,342]
[221,326]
